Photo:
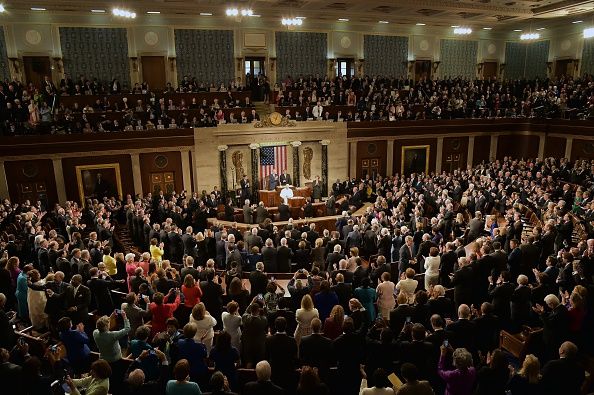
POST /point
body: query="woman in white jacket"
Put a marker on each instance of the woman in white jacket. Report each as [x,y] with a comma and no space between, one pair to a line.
[205,324]
[432,268]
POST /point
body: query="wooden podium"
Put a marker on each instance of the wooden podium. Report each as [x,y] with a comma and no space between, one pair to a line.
[273,199]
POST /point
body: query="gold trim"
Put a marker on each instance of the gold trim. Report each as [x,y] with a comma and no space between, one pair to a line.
[407,147]
[80,169]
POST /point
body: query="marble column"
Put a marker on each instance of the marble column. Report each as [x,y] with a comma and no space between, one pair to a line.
[223,169]
[470,153]
[59,177]
[325,166]
[493,147]
[439,155]
[254,147]
[186,175]
[353,159]
[296,173]
[136,174]
[390,158]
[4,194]
[568,147]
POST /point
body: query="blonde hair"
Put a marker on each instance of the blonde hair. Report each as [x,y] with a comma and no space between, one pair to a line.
[337,315]
[307,302]
[530,369]
[319,242]
[199,311]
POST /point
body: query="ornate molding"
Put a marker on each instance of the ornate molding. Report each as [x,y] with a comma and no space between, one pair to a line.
[266,123]
[254,146]
[325,142]
[223,148]
[296,144]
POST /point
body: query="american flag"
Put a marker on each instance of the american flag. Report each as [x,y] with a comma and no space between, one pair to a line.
[272,158]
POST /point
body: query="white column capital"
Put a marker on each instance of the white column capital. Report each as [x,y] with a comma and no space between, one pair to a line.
[325,142]
[295,144]
[222,148]
[254,146]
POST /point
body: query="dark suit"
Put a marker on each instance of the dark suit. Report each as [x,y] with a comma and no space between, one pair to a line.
[284,179]
[419,353]
[555,327]
[344,291]
[283,259]
[189,244]
[269,259]
[261,214]
[248,214]
[212,294]
[520,304]
[258,283]
[281,353]
[463,334]
[81,301]
[442,306]
[562,376]
[446,267]
[514,260]
[284,212]
[487,332]
[501,297]
[405,257]
[316,350]
[463,286]
[262,388]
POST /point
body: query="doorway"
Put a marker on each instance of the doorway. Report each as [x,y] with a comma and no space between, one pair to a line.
[489,70]
[162,182]
[422,69]
[255,71]
[370,167]
[36,68]
[563,67]
[345,67]
[153,71]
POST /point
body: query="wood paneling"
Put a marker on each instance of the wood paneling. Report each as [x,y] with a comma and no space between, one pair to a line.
[454,153]
[69,167]
[554,147]
[517,146]
[36,68]
[398,144]
[480,152]
[162,162]
[31,173]
[153,71]
[372,150]
[582,149]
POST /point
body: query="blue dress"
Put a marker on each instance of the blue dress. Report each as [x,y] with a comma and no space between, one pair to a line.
[367,297]
[21,296]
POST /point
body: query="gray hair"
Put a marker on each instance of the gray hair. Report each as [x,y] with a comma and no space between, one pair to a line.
[462,359]
[130,257]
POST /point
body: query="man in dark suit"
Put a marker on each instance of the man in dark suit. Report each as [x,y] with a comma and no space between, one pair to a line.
[77,299]
[475,226]
[285,179]
[245,188]
[284,212]
[263,386]
[343,290]
[520,301]
[101,292]
[463,283]
[55,290]
[253,240]
[334,258]
[269,257]
[212,294]
[530,255]
[487,327]
[406,255]
[500,294]
[316,350]
[555,323]
[248,213]
[463,331]
[281,353]
[258,280]
[272,180]
[283,257]
[514,259]
[499,260]
[261,213]
[564,375]
[189,242]
[419,352]
[10,373]
[440,304]
[448,261]
[189,269]
[176,246]
[43,258]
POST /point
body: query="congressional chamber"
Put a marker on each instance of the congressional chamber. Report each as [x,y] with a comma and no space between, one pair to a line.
[297,197]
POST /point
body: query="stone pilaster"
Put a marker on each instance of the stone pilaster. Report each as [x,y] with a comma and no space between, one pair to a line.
[296,164]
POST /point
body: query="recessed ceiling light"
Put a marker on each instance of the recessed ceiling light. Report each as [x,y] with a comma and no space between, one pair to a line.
[420,24]
[2,9]
[541,28]
[98,11]
[153,12]
[576,22]
[455,26]
[384,22]
[343,19]
[256,15]
[517,30]
[206,13]
[300,17]
[487,28]
[38,9]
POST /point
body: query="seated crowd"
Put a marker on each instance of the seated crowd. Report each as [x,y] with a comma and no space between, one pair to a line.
[421,285]
[30,109]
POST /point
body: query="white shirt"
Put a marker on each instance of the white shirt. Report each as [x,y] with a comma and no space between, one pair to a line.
[432,265]
[286,194]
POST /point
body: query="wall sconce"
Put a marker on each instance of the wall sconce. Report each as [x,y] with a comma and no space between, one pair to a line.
[239,62]
[16,65]
[272,64]
[331,65]
[171,61]
[360,66]
[436,65]
[134,63]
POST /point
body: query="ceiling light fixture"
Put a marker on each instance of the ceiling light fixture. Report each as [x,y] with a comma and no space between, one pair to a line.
[574,22]
[455,26]
[384,22]
[487,28]
[2,9]
[301,17]
[420,24]
[541,28]
[343,19]
[291,22]
[153,12]
[206,14]
[38,9]
[123,13]
[98,11]
[462,30]
[589,32]
[517,30]
[530,36]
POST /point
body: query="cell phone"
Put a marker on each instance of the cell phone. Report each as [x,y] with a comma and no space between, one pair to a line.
[54,348]
[446,343]
[118,311]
